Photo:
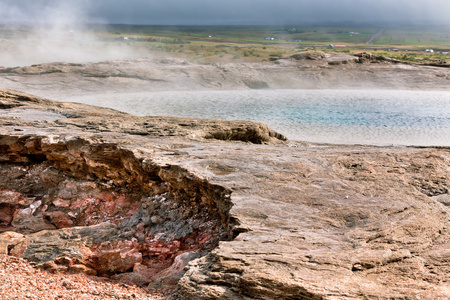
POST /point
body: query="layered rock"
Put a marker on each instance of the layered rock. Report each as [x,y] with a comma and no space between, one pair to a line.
[77,206]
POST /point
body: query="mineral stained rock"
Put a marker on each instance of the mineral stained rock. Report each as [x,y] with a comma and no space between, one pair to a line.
[88,191]
[83,210]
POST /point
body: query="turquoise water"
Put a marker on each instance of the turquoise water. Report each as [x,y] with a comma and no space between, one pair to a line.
[376,117]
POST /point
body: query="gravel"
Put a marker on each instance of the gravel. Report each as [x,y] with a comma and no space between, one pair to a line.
[19,280]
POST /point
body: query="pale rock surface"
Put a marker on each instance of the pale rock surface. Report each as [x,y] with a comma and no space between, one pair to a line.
[304,70]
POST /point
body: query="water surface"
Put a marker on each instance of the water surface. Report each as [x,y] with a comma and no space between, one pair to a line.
[375,117]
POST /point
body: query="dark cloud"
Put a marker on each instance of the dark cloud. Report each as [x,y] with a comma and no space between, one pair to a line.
[212,12]
[44,11]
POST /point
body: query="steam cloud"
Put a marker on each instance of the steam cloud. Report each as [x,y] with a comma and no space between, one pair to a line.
[52,31]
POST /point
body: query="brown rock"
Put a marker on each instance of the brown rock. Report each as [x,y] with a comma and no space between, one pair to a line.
[9,239]
[65,261]
[10,235]
[59,219]
[79,268]
[116,257]
[12,198]
[19,248]
[6,215]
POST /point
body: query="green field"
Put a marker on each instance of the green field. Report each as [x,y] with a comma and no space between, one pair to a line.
[416,37]
[250,43]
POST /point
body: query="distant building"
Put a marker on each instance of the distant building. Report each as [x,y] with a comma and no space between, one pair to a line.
[331,46]
[270,38]
[429,50]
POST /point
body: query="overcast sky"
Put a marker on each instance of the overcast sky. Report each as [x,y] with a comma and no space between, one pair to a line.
[228,12]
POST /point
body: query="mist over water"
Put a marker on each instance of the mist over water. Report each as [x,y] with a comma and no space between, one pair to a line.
[373,117]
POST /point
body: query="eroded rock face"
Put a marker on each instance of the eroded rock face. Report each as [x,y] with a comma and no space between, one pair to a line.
[76,206]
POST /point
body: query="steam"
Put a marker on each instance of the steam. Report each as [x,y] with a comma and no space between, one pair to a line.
[54,31]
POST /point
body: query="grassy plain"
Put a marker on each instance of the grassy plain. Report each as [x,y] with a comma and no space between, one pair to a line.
[206,44]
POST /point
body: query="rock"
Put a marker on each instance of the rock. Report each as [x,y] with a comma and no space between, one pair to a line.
[256,85]
[25,222]
[312,55]
[51,177]
[6,215]
[65,261]
[256,133]
[156,219]
[8,240]
[61,203]
[12,198]
[116,256]
[171,275]
[11,235]
[79,268]
[141,275]
[48,245]
[18,248]
[52,267]
[443,198]
[271,221]
[132,279]
[58,219]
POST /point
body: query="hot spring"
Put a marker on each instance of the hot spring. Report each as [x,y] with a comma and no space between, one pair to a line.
[370,117]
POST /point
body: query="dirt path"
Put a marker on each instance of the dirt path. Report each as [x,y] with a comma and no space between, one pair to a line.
[375,35]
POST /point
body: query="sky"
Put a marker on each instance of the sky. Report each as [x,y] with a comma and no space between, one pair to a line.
[229,12]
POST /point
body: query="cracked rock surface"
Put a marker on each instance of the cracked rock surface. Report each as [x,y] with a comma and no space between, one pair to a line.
[220,219]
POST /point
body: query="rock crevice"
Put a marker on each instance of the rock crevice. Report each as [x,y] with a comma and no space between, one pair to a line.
[73,205]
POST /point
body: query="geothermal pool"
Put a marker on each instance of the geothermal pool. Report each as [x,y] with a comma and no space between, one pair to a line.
[371,117]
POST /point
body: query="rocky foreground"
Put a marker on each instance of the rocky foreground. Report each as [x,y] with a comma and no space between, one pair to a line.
[19,280]
[204,209]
